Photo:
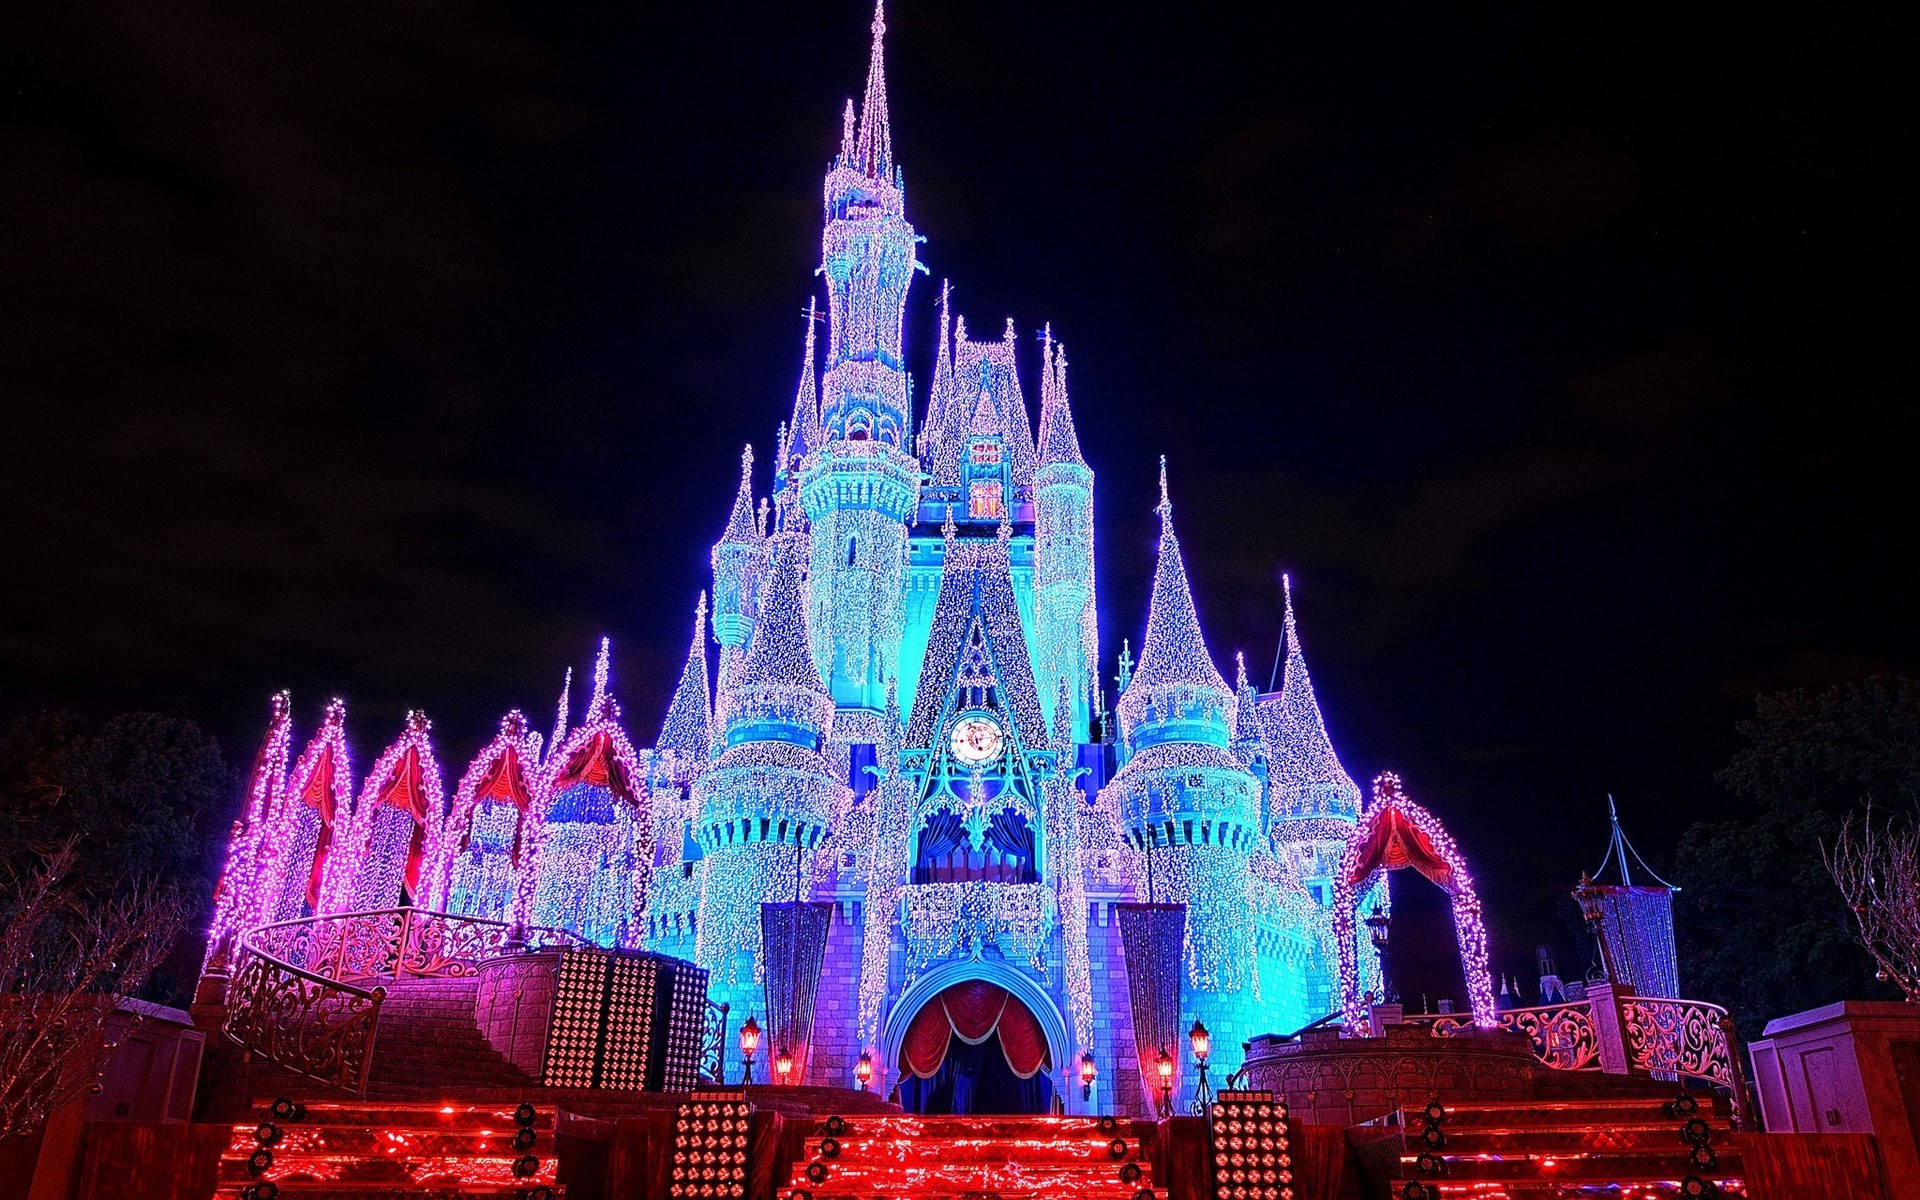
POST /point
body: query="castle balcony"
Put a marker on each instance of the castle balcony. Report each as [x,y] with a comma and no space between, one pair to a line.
[860,474]
[943,921]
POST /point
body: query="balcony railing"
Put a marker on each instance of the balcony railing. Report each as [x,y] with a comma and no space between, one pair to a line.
[305,994]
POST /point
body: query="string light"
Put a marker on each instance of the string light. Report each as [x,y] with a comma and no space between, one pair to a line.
[402,806]
[240,891]
[471,865]
[1390,804]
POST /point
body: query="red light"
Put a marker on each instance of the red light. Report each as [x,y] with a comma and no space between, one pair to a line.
[783,1064]
[863,1070]
[1165,1065]
[1201,1040]
[749,1038]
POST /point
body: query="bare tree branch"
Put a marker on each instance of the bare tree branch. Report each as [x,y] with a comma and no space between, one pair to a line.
[66,955]
[1877,869]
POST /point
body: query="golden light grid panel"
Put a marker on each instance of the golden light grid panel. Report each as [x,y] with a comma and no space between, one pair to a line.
[1252,1157]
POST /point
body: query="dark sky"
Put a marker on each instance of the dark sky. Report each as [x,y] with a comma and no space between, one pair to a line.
[397,351]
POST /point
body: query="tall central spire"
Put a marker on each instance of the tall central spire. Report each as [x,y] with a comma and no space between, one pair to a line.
[873,145]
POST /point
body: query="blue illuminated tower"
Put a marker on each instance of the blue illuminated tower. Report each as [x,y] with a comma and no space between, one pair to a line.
[1065,630]
[859,486]
[1191,807]
[739,563]
[766,805]
[1312,803]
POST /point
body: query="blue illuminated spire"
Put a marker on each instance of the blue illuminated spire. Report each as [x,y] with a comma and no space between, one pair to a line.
[686,731]
[1176,693]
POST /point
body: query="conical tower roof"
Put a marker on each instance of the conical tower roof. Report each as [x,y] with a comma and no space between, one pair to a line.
[742,527]
[687,729]
[1176,677]
[1249,739]
[778,695]
[873,141]
[803,427]
[1058,441]
[1303,760]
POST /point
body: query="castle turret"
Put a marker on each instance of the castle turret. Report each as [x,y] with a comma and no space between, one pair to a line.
[859,488]
[1312,803]
[765,807]
[1065,629]
[1188,803]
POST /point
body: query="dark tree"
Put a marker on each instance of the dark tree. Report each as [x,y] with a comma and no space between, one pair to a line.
[140,799]
[1762,927]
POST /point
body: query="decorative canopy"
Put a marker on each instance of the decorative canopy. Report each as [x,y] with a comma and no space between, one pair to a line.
[973,1011]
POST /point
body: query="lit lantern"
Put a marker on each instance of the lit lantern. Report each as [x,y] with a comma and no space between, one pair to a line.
[863,1070]
[1165,1066]
[749,1044]
[783,1065]
[1088,1073]
[1201,1041]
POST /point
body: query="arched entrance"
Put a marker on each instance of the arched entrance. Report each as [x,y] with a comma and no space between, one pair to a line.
[974,1048]
[985,1059]
[1394,832]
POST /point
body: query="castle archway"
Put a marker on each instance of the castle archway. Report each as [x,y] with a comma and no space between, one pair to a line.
[1394,833]
[995,1026]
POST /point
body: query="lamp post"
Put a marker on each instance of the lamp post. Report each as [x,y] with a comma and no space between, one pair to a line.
[1379,928]
[863,1070]
[1165,1065]
[1088,1073]
[1591,896]
[749,1043]
[1202,1043]
[783,1065]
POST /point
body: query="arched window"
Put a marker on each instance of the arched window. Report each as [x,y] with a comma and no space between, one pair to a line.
[946,853]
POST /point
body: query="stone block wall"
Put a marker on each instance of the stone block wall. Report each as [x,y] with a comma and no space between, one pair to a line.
[513,1006]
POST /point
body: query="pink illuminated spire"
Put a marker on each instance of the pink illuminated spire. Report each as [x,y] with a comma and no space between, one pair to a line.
[873,143]
[1058,441]
[803,429]
[560,713]
[687,730]
[741,526]
[597,707]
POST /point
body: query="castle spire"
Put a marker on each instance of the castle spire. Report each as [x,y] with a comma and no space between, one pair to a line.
[741,526]
[1058,441]
[602,672]
[687,728]
[1303,755]
[1174,653]
[560,713]
[781,652]
[803,429]
[937,399]
[873,144]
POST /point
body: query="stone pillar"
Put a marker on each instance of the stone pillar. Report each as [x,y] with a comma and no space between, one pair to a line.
[1610,1027]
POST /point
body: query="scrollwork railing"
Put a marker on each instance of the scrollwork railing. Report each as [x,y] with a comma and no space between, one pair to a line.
[1563,1035]
[1687,1038]
[713,1044]
[305,994]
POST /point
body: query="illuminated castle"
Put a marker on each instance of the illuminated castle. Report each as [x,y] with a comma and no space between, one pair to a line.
[905,722]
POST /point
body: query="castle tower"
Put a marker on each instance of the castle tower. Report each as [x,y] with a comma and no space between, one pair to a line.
[859,486]
[739,561]
[765,807]
[1312,803]
[1189,804]
[1065,630]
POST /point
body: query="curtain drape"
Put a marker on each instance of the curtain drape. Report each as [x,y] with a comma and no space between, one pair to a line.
[973,1012]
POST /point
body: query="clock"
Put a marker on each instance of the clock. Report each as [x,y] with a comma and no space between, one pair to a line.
[977,739]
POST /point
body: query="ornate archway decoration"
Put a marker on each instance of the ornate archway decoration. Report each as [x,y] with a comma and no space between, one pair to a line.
[927,986]
[1394,833]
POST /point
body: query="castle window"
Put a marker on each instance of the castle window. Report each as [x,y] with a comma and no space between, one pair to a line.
[984,500]
[853,551]
[984,452]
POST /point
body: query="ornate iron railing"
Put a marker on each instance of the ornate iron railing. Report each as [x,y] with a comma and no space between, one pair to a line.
[713,1044]
[1685,1038]
[304,994]
[1563,1035]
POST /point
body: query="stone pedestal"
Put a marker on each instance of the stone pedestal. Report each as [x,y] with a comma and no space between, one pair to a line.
[1852,1067]
[514,1006]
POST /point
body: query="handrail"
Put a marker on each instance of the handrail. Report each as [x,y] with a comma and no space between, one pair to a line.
[296,997]
[1563,1036]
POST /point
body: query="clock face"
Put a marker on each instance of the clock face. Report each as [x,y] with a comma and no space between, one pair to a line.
[976,739]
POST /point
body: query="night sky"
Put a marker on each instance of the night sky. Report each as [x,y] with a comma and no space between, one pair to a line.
[399,351]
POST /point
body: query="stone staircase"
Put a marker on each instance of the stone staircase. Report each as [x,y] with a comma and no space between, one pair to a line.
[1645,1148]
[946,1158]
[427,1043]
[388,1150]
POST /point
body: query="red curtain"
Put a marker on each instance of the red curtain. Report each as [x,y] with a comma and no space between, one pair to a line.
[973,1011]
[1393,843]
